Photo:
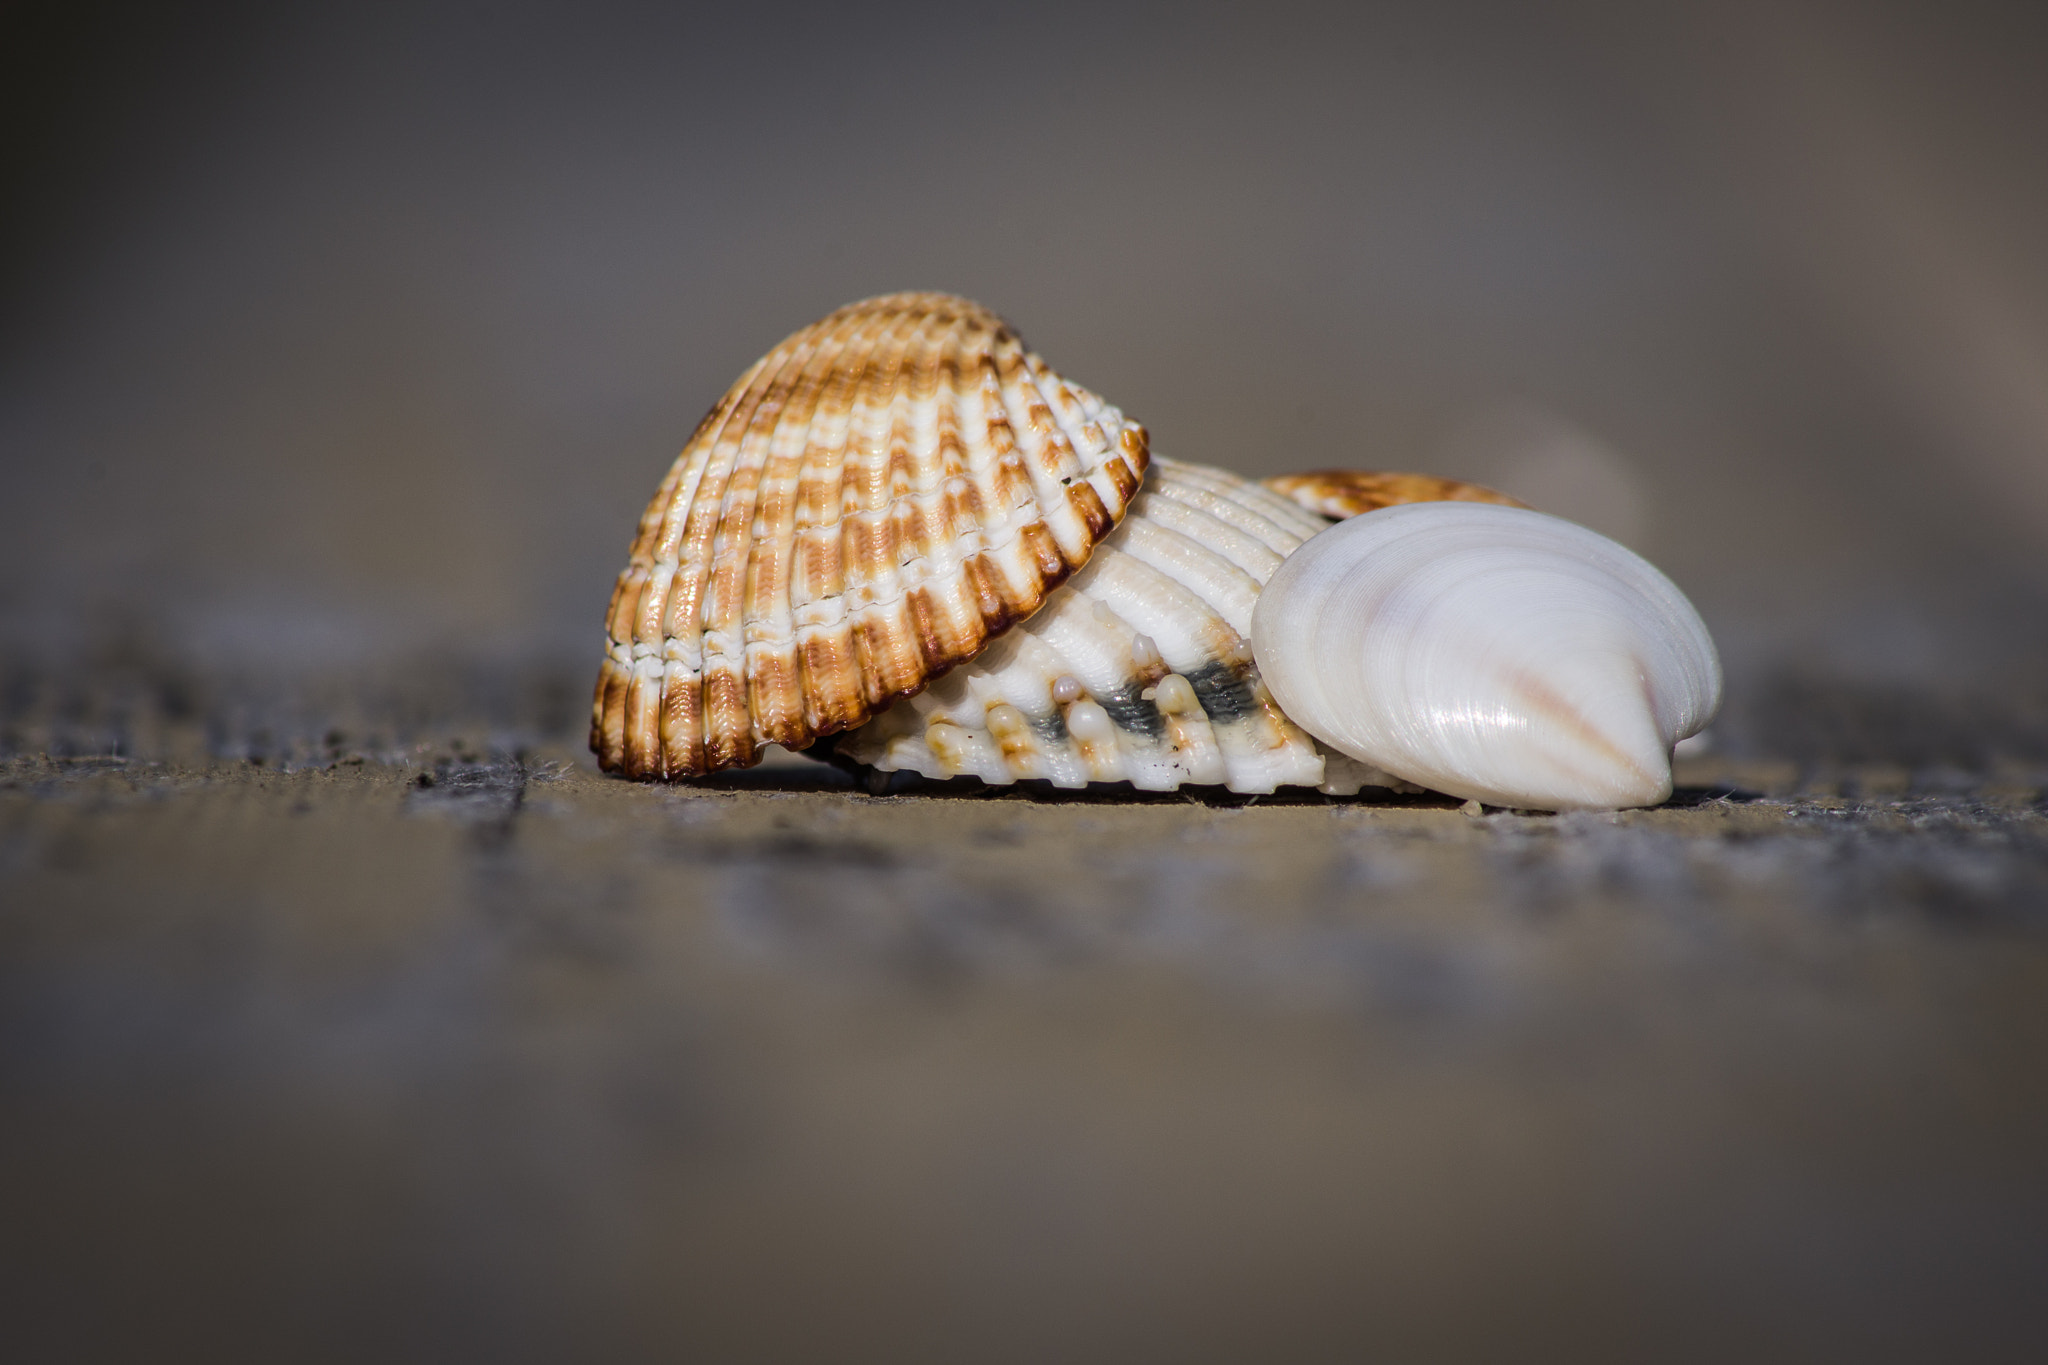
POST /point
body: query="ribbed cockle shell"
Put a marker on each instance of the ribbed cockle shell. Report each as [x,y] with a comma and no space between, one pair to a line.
[874,501]
[1140,668]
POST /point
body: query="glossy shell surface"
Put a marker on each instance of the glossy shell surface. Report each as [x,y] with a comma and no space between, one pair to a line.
[871,504]
[1489,652]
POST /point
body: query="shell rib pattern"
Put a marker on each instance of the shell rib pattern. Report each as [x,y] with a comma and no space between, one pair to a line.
[874,502]
[1139,669]
[1342,493]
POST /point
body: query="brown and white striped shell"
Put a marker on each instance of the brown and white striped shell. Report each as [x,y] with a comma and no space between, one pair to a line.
[1140,669]
[871,504]
[1343,493]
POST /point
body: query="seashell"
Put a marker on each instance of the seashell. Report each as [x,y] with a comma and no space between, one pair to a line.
[874,501]
[1139,669]
[1343,493]
[902,504]
[1489,652]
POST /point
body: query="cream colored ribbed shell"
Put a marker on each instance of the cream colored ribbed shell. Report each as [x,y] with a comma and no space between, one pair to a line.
[874,501]
[1138,670]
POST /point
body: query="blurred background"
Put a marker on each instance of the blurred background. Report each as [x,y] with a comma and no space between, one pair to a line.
[338,333]
[340,348]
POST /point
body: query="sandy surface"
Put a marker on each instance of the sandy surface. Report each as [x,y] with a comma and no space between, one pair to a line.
[473,1053]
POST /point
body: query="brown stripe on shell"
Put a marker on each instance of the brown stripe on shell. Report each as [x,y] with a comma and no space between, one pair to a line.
[1088,504]
[1122,478]
[1137,669]
[1039,555]
[682,720]
[643,720]
[925,624]
[647,544]
[889,666]
[1342,493]
[775,696]
[730,663]
[728,732]
[618,622]
[1144,650]
[782,492]
[648,610]
[677,533]
[868,506]
[610,719]
[830,671]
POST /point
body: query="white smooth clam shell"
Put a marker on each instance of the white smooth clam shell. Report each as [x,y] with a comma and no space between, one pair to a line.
[1488,652]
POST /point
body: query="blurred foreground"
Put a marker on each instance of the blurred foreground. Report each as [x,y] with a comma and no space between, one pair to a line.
[416,1038]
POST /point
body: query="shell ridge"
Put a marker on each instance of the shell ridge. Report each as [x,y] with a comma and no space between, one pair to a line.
[1238,498]
[1279,533]
[649,752]
[1168,612]
[776,701]
[607,723]
[1013,533]
[828,661]
[730,732]
[1339,494]
[679,485]
[1246,553]
[1259,746]
[1095,648]
[873,586]
[832,653]
[1024,685]
[939,541]
[702,515]
[868,506]
[1227,589]
[1209,716]
[1047,455]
